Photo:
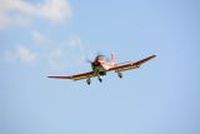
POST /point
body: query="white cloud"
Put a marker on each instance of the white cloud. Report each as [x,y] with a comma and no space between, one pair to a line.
[25,55]
[74,42]
[56,10]
[68,54]
[77,43]
[38,37]
[20,53]
[56,59]
[53,10]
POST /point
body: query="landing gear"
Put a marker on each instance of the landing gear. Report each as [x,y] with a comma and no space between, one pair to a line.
[137,66]
[119,74]
[88,81]
[100,79]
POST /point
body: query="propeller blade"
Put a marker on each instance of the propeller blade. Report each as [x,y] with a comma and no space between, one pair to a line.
[87,60]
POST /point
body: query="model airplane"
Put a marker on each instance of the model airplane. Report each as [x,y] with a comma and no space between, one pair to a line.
[100,67]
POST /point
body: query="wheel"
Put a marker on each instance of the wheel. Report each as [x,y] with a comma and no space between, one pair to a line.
[100,79]
[120,75]
[88,81]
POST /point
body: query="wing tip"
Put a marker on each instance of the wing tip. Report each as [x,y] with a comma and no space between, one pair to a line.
[153,56]
[59,76]
[49,76]
[150,57]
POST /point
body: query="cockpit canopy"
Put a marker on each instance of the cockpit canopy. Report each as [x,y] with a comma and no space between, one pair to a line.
[100,57]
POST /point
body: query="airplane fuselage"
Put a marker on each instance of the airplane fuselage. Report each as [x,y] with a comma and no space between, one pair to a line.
[98,68]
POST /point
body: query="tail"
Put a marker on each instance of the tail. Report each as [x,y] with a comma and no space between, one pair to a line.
[113,58]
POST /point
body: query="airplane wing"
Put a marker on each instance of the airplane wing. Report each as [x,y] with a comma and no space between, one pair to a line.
[74,77]
[131,64]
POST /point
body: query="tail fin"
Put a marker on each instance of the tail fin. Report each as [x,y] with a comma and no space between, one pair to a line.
[113,57]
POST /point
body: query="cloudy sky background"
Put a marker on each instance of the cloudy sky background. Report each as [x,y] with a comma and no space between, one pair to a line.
[41,37]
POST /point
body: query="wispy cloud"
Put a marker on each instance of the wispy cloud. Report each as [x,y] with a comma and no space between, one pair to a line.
[55,59]
[25,55]
[20,11]
[74,42]
[66,53]
[20,53]
[38,37]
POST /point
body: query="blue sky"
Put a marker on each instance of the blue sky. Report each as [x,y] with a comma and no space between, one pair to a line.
[39,37]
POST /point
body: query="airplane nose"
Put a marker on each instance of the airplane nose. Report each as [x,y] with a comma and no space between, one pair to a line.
[100,61]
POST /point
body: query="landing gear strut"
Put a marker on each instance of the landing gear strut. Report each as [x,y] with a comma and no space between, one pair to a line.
[88,81]
[119,74]
[100,79]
